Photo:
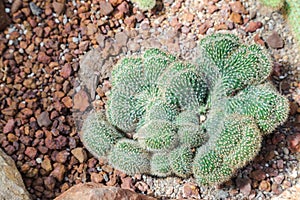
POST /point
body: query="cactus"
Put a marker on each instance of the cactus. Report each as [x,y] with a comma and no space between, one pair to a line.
[205,119]
[273,4]
[145,4]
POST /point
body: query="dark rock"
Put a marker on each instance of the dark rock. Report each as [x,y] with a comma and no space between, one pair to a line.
[43,119]
[275,41]
[5,20]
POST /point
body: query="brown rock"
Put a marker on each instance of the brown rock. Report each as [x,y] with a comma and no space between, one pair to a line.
[253,26]
[258,175]
[46,164]
[67,101]
[5,20]
[123,7]
[265,186]
[278,179]
[43,119]
[89,191]
[9,126]
[17,4]
[294,142]
[121,38]
[127,183]
[259,40]
[66,71]
[12,138]
[275,41]
[115,2]
[62,156]
[244,184]
[80,154]
[191,191]
[105,8]
[236,18]
[238,7]
[49,182]
[212,8]
[96,177]
[31,152]
[58,7]
[43,58]
[59,171]
[81,101]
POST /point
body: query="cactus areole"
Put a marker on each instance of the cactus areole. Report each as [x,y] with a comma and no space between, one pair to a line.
[205,119]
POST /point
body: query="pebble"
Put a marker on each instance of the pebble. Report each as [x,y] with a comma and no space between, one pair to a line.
[244,184]
[275,41]
[253,26]
[80,154]
[43,119]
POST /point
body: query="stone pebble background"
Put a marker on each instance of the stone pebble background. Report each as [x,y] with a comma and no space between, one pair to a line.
[55,63]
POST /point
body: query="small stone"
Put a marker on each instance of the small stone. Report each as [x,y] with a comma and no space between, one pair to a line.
[96,177]
[49,182]
[123,7]
[12,138]
[238,7]
[275,41]
[62,156]
[236,18]
[294,142]
[31,152]
[43,58]
[280,164]
[244,184]
[58,7]
[80,154]
[253,26]
[278,179]
[142,186]
[259,40]
[59,171]
[9,126]
[127,183]
[46,164]
[34,8]
[81,101]
[17,4]
[121,38]
[66,71]
[258,175]
[212,8]
[190,191]
[105,8]
[43,119]
[189,17]
[265,186]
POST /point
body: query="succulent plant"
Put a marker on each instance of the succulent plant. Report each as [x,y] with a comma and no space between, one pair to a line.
[274,4]
[145,4]
[205,119]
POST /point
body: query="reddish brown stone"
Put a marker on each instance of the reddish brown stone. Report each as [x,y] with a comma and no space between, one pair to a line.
[81,101]
[9,126]
[253,26]
[31,152]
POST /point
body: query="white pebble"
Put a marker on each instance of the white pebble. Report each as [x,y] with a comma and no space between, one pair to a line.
[39,160]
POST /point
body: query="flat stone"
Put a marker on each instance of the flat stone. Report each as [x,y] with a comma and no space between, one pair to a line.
[81,101]
[11,183]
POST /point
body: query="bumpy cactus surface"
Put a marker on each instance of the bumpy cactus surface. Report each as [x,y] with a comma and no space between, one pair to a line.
[145,4]
[205,120]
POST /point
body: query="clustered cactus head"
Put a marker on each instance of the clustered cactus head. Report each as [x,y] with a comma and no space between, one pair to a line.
[145,4]
[205,120]
[274,4]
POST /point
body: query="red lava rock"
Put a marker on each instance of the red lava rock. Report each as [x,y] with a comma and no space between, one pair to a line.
[49,182]
[9,126]
[244,184]
[43,58]
[62,156]
[81,101]
[265,186]
[67,101]
[58,7]
[253,26]
[59,171]
[105,8]
[191,190]
[96,177]
[17,4]
[43,119]
[275,41]
[127,183]
[258,175]
[238,7]
[89,191]
[294,142]
[66,71]
[31,152]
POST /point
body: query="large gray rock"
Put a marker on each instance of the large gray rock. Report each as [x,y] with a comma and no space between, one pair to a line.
[92,191]
[11,183]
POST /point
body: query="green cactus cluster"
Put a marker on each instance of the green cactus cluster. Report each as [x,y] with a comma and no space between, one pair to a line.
[145,5]
[205,119]
[292,10]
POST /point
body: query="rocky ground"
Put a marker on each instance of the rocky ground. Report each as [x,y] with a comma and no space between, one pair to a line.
[43,52]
